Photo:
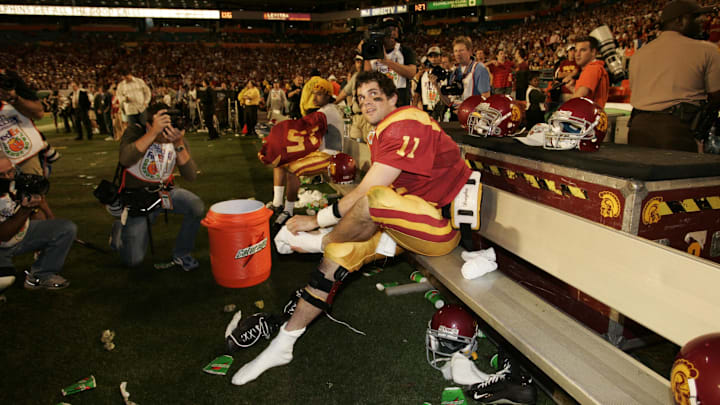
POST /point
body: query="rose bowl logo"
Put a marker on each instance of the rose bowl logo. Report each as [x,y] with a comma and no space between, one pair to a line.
[15,143]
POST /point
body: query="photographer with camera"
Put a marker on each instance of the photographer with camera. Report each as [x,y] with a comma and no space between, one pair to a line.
[470,78]
[427,90]
[20,196]
[383,53]
[675,83]
[148,155]
[20,140]
[15,92]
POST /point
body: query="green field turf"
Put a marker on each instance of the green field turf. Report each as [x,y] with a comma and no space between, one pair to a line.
[170,324]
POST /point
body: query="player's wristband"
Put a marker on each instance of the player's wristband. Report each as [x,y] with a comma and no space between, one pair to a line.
[326,217]
[336,210]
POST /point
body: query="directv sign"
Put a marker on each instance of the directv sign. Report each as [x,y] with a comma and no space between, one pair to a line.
[373,12]
[442,5]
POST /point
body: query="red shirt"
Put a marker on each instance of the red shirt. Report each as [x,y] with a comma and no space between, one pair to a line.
[595,78]
[293,139]
[565,67]
[432,168]
[501,73]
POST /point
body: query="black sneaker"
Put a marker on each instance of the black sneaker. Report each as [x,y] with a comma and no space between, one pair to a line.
[280,221]
[505,388]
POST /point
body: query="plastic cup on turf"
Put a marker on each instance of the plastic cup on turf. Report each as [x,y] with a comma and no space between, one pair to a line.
[417,277]
[383,286]
[82,385]
[435,298]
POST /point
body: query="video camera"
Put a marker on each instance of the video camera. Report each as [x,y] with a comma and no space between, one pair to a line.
[23,186]
[373,47]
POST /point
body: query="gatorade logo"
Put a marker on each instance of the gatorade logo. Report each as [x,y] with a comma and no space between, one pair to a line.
[251,250]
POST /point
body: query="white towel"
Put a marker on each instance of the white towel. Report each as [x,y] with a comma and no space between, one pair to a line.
[477,267]
[464,371]
[309,242]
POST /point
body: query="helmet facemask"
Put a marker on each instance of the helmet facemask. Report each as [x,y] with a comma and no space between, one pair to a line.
[485,121]
[566,132]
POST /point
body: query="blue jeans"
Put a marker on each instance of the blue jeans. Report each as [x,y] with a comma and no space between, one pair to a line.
[135,238]
[52,237]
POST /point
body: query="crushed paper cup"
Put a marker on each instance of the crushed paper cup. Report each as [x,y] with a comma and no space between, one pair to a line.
[219,366]
[82,385]
[125,394]
[107,336]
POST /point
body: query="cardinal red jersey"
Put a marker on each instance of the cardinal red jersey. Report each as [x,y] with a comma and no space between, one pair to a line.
[293,139]
[432,168]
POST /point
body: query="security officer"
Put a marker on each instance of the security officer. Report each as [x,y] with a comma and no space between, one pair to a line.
[675,81]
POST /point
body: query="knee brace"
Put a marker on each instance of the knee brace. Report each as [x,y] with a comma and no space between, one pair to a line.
[319,282]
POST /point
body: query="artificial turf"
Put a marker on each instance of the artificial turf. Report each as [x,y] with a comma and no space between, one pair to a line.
[169,324]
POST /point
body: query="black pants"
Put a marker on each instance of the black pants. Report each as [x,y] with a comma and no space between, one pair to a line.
[210,124]
[251,118]
[662,131]
[82,119]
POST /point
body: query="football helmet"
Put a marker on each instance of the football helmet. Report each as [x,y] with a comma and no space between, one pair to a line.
[466,108]
[695,375]
[341,168]
[451,330]
[497,115]
[578,123]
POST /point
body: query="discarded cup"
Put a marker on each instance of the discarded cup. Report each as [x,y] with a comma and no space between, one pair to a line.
[453,396]
[383,286]
[494,361]
[435,298]
[82,385]
[417,277]
[219,366]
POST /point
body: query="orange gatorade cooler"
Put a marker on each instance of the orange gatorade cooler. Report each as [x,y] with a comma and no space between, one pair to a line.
[239,233]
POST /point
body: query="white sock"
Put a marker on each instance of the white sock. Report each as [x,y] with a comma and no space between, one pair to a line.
[289,205]
[278,194]
[488,253]
[278,353]
[477,267]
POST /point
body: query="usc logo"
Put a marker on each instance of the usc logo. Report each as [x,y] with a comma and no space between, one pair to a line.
[602,121]
[609,204]
[515,113]
[650,212]
[682,371]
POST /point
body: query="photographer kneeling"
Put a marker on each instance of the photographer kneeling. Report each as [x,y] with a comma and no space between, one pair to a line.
[20,197]
[148,155]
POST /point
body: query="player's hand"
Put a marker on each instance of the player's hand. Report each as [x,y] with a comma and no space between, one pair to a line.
[302,223]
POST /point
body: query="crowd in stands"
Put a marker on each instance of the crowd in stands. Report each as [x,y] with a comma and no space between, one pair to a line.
[95,60]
